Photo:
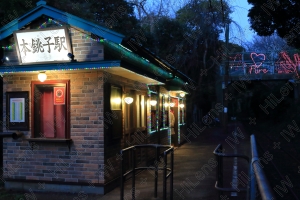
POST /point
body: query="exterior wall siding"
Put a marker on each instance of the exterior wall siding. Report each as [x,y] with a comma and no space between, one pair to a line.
[55,162]
[84,162]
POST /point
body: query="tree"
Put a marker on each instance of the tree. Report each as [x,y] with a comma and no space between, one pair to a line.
[204,22]
[274,16]
[117,15]
[187,42]
[269,45]
[10,10]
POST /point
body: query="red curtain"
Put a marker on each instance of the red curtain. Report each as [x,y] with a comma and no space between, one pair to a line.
[47,114]
[52,117]
[59,121]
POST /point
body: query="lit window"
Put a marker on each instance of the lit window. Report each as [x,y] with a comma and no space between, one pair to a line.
[50,106]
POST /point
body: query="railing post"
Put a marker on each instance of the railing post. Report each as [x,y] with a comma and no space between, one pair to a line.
[134,168]
[220,169]
[156,171]
[122,178]
[165,177]
[133,172]
[171,175]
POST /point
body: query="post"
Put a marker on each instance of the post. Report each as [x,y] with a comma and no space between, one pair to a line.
[219,173]
[226,78]
[156,172]
[165,177]
[122,178]
[158,114]
[171,175]
[133,172]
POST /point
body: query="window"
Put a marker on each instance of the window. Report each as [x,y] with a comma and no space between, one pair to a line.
[180,106]
[113,116]
[140,111]
[154,106]
[165,111]
[128,113]
[50,101]
[135,113]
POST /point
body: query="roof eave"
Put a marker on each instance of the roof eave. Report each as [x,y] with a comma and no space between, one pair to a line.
[59,66]
[65,17]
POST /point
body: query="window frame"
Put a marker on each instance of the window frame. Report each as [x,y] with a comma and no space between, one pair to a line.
[132,110]
[154,96]
[21,126]
[54,83]
[138,108]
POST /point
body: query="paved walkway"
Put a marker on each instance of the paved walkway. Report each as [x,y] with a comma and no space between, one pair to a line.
[194,169]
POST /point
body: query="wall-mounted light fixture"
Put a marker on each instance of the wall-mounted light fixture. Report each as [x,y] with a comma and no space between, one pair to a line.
[182,94]
[172,104]
[42,76]
[3,60]
[71,56]
[128,99]
[181,105]
[166,104]
[116,100]
[153,102]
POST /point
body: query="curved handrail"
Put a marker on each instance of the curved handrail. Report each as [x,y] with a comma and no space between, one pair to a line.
[170,149]
[262,182]
[219,183]
[229,189]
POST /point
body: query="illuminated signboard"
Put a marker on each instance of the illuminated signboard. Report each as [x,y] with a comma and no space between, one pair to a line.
[43,45]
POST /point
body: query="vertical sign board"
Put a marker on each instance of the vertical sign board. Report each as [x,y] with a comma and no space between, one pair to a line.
[17,110]
[43,45]
[17,114]
[59,96]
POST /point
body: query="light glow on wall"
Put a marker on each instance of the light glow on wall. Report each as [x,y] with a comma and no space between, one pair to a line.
[153,102]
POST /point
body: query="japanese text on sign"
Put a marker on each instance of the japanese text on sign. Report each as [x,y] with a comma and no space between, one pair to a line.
[44,45]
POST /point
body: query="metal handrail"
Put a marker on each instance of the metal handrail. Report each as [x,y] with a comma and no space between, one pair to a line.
[219,175]
[170,150]
[262,182]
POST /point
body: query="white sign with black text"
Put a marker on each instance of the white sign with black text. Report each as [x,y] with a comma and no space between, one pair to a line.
[43,45]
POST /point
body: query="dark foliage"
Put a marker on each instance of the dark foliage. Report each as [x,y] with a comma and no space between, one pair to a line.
[281,16]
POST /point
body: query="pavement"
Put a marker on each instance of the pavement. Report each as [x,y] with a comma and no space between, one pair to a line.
[194,170]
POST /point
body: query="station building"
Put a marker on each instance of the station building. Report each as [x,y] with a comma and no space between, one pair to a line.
[80,93]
